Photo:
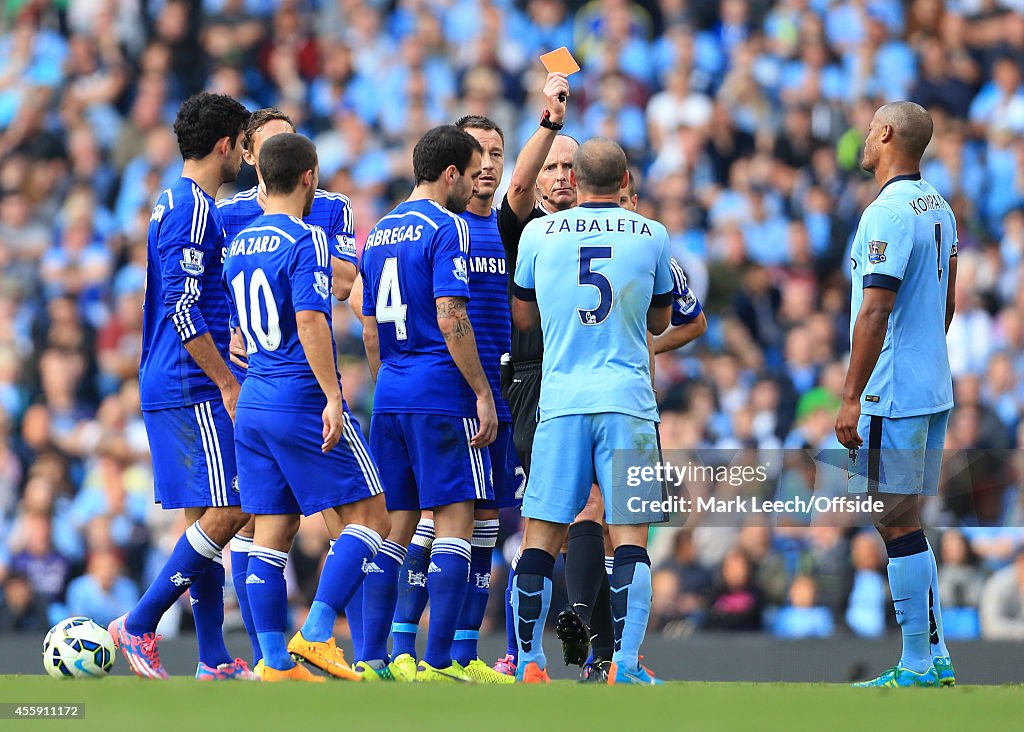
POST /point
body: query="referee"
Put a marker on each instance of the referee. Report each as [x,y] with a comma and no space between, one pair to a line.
[540,185]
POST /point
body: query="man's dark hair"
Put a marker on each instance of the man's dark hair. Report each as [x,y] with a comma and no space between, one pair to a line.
[440,147]
[912,124]
[283,160]
[205,118]
[258,119]
[599,165]
[479,122]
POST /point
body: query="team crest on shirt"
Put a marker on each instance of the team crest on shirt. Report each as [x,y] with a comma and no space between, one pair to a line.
[322,284]
[192,261]
[460,271]
[876,251]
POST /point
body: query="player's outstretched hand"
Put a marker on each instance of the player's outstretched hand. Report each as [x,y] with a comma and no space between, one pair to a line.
[846,425]
[229,394]
[488,417]
[236,348]
[334,420]
[556,89]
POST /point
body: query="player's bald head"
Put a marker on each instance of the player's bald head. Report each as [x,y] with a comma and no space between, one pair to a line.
[600,166]
[911,125]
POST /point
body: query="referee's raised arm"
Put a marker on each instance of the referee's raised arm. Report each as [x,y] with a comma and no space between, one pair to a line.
[521,196]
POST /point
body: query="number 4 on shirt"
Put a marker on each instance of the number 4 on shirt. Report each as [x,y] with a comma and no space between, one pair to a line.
[390,308]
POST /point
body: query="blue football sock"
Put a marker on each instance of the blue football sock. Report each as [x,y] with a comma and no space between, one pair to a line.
[342,573]
[531,600]
[207,595]
[936,636]
[191,556]
[412,591]
[510,614]
[485,536]
[240,546]
[268,598]
[380,590]
[631,603]
[447,584]
[910,571]
[354,616]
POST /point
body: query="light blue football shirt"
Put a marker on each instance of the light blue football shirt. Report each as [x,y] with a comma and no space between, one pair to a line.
[904,242]
[594,271]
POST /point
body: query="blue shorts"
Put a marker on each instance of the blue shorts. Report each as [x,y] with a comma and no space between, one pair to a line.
[570,451]
[282,470]
[899,455]
[507,474]
[193,452]
[426,460]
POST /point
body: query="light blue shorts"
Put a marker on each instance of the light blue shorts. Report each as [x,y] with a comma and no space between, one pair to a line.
[900,454]
[571,451]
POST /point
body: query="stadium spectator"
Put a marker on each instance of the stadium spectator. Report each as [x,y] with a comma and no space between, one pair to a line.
[102,593]
[1002,603]
[737,602]
[21,611]
[802,617]
[869,594]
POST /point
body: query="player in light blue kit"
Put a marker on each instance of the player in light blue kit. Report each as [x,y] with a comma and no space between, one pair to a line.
[898,391]
[433,408]
[299,449]
[598,279]
[332,212]
[188,393]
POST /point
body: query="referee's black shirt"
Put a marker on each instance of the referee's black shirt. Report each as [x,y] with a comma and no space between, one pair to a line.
[526,345]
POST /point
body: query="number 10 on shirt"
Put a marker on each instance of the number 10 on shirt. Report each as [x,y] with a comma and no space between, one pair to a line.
[250,314]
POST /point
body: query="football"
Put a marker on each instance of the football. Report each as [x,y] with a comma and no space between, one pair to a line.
[78,648]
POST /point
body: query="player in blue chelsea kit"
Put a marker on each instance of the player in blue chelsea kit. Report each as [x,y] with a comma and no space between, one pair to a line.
[433,411]
[598,279]
[299,449]
[188,393]
[332,212]
[492,324]
[899,390]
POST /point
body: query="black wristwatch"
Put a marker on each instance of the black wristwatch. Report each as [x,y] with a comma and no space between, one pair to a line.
[545,121]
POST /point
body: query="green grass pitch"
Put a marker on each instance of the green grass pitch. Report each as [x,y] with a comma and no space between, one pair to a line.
[120,703]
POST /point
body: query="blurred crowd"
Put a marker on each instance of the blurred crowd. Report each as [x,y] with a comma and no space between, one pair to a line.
[744,121]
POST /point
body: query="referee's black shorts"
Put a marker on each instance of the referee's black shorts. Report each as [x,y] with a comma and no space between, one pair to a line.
[523,397]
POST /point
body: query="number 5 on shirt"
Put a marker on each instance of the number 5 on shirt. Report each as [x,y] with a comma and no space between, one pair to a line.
[597,280]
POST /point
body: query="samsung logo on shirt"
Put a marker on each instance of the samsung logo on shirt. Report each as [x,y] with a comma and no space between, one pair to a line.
[582,226]
[487,265]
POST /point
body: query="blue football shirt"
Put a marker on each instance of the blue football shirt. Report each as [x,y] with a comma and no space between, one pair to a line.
[332,212]
[415,254]
[274,268]
[184,297]
[488,304]
[904,241]
[594,271]
[686,306]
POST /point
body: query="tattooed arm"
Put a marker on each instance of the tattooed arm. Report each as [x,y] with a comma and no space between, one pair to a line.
[453,320]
